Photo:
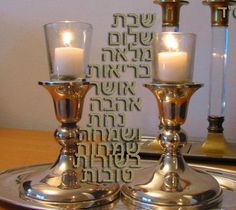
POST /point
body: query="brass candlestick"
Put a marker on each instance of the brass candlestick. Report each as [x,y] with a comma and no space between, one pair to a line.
[61,184]
[174,185]
[170,13]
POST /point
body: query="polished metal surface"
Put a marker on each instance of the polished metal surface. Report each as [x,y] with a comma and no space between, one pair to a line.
[68,98]
[172,188]
[215,142]
[174,185]
[10,182]
[170,11]
[61,182]
[150,145]
[151,149]
[216,148]
[219,11]
[215,124]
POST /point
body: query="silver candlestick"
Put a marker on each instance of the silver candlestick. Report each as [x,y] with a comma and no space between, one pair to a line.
[174,185]
[61,184]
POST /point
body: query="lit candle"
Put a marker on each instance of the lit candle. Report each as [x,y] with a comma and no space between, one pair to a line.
[69,60]
[172,65]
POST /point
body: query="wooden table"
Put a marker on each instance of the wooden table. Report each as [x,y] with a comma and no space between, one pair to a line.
[27,147]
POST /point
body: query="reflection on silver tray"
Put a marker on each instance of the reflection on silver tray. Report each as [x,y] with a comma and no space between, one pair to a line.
[9,184]
[190,151]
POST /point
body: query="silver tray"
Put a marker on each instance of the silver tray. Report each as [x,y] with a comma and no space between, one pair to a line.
[9,185]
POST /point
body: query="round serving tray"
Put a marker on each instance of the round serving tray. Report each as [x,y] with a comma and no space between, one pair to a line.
[9,186]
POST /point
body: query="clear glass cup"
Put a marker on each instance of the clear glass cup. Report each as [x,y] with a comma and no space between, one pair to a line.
[68,44]
[173,57]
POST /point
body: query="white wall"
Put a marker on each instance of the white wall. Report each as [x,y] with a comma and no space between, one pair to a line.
[23,60]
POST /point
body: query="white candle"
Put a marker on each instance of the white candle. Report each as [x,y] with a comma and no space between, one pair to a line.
[68,60]
[172,66]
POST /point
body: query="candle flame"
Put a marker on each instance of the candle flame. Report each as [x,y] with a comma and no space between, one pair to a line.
[67,38]
[171,42]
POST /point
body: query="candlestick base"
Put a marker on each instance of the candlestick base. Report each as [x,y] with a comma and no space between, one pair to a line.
[174,185]
[61,183]
[215,144]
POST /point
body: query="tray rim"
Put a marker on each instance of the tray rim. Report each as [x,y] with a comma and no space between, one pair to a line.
[226,173]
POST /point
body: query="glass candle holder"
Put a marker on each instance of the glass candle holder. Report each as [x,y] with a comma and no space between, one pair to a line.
[68,44]
[173,54]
